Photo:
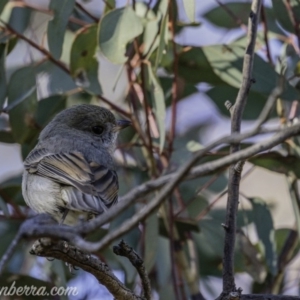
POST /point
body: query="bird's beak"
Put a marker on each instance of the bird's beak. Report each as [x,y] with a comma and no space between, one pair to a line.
[121,124]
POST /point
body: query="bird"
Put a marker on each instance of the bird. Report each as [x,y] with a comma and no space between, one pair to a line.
[70,174]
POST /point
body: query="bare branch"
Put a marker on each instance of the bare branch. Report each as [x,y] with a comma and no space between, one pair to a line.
[234,174]
[34,228]
[10,250]
[74,256]
[124,250]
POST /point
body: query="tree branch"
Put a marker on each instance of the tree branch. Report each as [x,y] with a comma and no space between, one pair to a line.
[73,234]
[234,173]
[124,250]
[74,256]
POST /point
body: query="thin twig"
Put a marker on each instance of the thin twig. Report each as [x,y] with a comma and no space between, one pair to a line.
[232,14]
[294,20]
[82,8]
[234,175]
[57,62]
[10,250]
[124,250]
[34,228]
[201,170]
[175,77]
[265,24]
[62,66]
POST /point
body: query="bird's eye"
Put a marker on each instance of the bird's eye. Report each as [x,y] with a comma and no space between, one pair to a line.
[97,129]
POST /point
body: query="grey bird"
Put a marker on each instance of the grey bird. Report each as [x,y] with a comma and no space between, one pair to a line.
[70,174]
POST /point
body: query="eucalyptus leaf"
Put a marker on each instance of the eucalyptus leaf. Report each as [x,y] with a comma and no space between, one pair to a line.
[265,229]
[83,63]
[190,8]
[7,137]
[277,162]
[57,26]
[20,18]
[3,88]
[159,104]
[163,31]
[151,242]
[227,64]
[116,29]
[2,5]
[283,15]
[22,104]
[48,108]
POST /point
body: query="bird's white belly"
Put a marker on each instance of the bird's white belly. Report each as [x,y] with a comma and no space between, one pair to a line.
[41,194]
[46,196]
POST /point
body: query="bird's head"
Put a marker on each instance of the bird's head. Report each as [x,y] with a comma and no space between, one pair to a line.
[85,120]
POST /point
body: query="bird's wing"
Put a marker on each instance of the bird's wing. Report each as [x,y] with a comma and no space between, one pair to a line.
[94,184]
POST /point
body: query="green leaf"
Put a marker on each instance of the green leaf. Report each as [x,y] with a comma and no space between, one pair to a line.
[194,67]
[219,17]
[83,64]
[283,15]
[252,261]
[22,104]
[151,242]
[227,64]
[189,6]
[151,29]
[281,236]
[8,230]
[163,262]
[265,229]
[117,29]
[219,94]
[277,162]
[20,18]
[57,26]
[48,108]
[163,39]
[157,96]
[185,89]
[11,192]
[59,81]
[6,137]
[4,208]
[163,32]
[109,5]
[2,75]
[294,195]
[2,5]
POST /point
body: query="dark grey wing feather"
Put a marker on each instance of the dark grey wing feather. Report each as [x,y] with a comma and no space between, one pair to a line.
[89,186]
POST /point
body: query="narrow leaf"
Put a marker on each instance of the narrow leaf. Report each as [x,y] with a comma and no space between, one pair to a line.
[162,40]
[151,241]
[2,75]
[157,95]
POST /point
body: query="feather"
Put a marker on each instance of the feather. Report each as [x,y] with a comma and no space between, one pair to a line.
[86,186]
